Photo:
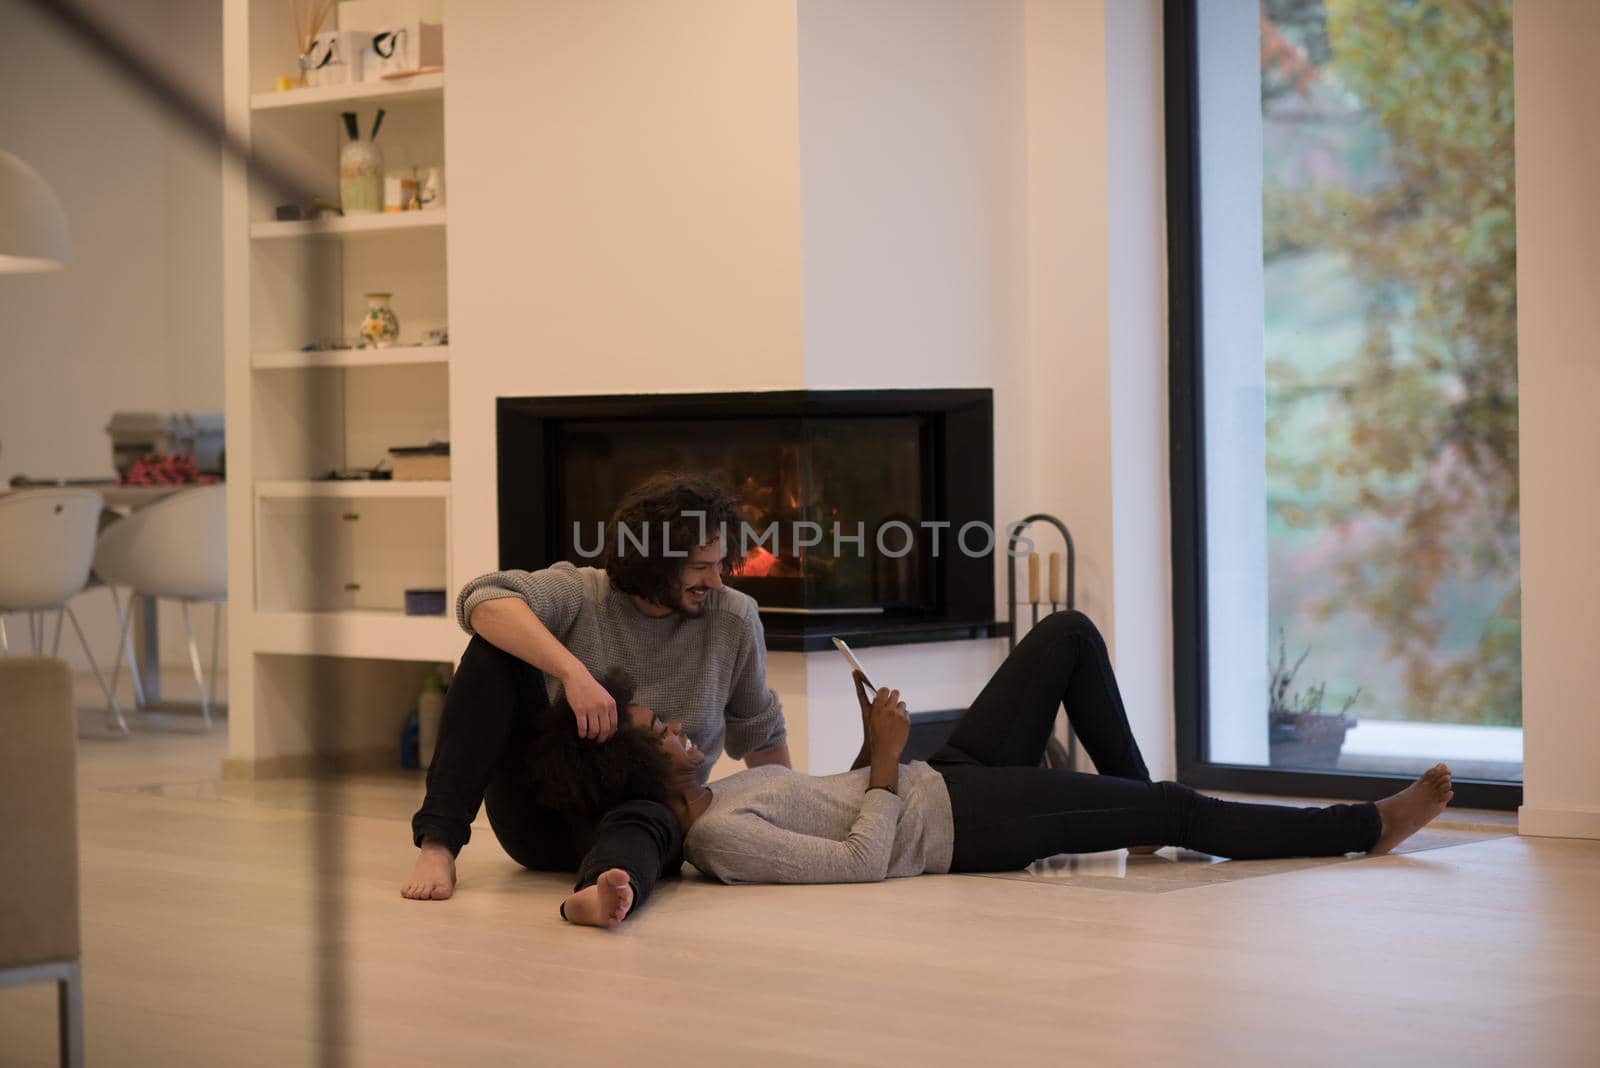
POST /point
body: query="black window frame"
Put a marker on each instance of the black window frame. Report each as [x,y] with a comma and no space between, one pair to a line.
[1186,452]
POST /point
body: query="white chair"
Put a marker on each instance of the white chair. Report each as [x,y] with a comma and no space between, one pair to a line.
[47,541]
[176,548]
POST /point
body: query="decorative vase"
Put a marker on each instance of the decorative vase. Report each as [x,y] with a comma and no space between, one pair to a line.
[360,177]
[432,194]
[380,328]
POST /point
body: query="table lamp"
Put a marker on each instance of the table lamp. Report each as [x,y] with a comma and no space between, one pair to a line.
[33,228]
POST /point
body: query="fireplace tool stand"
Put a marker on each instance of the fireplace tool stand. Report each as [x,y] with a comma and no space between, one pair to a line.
[1056,755]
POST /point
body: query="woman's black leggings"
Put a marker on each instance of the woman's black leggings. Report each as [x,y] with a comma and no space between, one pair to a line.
[1010,812]
[496,704]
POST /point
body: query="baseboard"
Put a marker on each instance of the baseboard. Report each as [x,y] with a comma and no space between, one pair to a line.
[310,765]
[1558,822]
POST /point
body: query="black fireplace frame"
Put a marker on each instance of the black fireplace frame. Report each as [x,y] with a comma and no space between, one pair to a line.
[961,422]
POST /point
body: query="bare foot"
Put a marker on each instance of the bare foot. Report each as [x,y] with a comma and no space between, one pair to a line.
[434,877]
[605,904]
[1142,851]
[1410,810]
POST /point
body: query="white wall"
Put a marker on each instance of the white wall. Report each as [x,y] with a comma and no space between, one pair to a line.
[1136,296]
[1069,380]
[1558,274]
[982,204]
[920,184]
[135,321]
[913,199]
[913,181]
[636,229]
[624,213]
[1096,344]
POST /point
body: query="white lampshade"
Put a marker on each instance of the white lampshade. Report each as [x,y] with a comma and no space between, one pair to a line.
[33,228]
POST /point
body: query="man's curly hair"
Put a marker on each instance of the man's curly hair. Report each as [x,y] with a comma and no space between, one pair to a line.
[584,779]
[667,498]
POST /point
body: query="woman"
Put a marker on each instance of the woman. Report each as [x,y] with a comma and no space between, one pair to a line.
[981,803]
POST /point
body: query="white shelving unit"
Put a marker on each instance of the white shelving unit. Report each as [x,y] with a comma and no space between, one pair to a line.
[400,354]
[349,225]
[353,489]
[414,89]
[323,659]
[374,635]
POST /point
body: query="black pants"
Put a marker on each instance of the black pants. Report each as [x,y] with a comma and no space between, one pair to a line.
[1010,812]
[495,705]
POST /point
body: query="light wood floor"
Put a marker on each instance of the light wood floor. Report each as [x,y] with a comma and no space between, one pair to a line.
[261,923]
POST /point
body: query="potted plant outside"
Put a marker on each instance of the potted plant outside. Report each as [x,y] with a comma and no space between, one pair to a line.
[1299,733]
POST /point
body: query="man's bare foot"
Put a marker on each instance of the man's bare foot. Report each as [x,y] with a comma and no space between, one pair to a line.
[1410,810]
[605,904]
[434,877]
[1142,851]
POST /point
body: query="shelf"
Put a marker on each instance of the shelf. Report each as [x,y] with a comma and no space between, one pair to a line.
[418,88]
[330,561]
[374,635]
[398,354]
[353,488]
[349,225]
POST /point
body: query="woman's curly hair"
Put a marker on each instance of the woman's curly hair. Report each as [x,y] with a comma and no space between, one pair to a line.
[584,779]
[690,508]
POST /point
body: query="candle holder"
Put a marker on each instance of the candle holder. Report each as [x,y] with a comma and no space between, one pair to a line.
[1015,535]
[1056,755]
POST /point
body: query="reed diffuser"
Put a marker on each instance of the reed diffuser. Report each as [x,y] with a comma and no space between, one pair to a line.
[360,168]
[308,15]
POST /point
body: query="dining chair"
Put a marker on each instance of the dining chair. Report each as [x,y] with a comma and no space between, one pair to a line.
[176,549]
[47,544]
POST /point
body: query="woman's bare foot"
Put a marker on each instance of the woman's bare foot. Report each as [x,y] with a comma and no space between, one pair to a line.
[434,877]
[605,904]
[1410,810]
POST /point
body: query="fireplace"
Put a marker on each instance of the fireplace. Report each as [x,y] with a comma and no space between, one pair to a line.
[852,502]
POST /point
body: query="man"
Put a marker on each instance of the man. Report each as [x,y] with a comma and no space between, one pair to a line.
[657,611]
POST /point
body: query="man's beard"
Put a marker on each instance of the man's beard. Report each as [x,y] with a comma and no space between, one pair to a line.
[685,605]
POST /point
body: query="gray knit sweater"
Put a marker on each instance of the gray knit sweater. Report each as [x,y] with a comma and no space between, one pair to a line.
[773,825]
[708,671]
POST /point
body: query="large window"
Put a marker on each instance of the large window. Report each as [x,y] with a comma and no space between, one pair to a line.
[1344,407]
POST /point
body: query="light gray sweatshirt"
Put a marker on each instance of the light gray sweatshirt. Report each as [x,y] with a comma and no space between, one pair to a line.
[773,825]
[707,671]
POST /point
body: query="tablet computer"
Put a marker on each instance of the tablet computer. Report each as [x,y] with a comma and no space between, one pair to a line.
[838,643]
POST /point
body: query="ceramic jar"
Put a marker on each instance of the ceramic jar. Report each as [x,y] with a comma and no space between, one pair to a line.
[380,328]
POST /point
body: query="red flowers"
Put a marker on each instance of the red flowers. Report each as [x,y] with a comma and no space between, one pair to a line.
[164,469]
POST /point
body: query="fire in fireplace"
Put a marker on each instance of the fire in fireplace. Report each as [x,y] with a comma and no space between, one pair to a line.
[851,501]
